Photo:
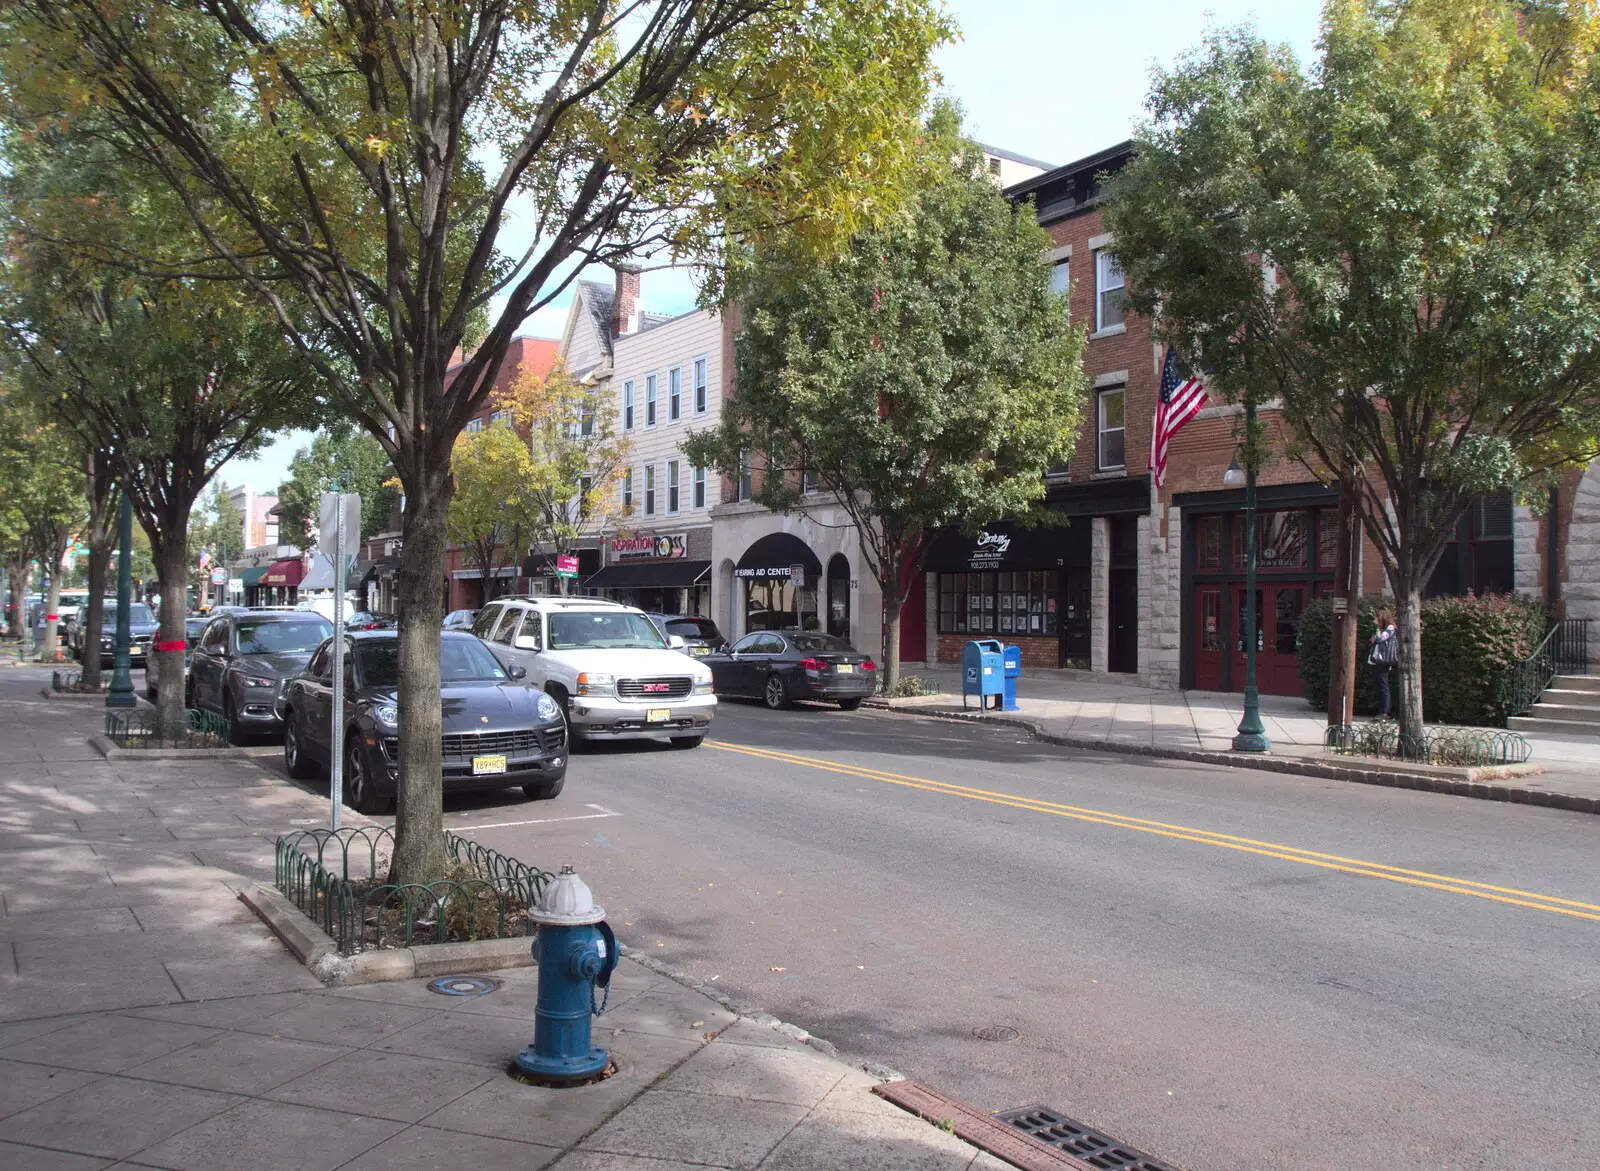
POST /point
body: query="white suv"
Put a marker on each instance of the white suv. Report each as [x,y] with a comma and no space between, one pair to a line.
[613,672]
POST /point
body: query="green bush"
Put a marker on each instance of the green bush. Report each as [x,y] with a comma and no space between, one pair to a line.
[1470,647]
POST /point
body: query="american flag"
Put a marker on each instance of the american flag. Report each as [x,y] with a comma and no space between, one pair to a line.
[1181,400]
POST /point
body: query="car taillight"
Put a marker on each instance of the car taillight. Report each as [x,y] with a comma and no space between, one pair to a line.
[869,665]
[811,664]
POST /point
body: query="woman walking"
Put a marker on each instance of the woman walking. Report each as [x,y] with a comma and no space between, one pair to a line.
[1383,654]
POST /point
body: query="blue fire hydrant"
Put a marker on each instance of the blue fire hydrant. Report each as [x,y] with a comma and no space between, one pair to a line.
[576,953]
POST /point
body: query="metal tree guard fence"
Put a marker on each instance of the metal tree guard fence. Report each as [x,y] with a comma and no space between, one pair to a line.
[71,679]
[142,728]
[486,897]
[1470,747]
[1564,651]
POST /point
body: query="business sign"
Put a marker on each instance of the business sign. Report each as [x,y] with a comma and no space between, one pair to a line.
[666,547]
[989,550]
[797,573]
[566,565]
[780,572]
[219,577]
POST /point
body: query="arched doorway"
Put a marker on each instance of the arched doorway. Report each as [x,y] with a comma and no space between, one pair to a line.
[839,596]
[780,574]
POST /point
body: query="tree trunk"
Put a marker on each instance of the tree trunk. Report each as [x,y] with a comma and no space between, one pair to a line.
[891,636]
[101,538]
[50,649]
[172,571]
[419,816]
[1342,681]
[20,572]
[1408,623]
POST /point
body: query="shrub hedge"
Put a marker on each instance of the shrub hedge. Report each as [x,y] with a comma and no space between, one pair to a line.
[1470,647]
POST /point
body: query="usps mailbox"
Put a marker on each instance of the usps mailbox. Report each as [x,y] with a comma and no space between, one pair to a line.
[983,671]
[1013,672]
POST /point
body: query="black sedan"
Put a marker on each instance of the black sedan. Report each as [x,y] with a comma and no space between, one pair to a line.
[780,666]
[142,630]
[700,635]
[498,731]
[243,657]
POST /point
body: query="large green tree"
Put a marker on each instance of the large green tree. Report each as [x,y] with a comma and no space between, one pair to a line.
[364,157]
[1399,247]
[492,504]
[41,479]
[357,462]
[928,378]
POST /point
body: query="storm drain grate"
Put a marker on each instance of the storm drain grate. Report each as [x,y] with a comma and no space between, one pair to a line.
[1085,1142]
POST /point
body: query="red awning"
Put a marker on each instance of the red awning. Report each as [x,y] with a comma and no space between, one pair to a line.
[287,572]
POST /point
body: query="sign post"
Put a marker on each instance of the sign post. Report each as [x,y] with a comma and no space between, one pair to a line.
[340,510]
[797,581]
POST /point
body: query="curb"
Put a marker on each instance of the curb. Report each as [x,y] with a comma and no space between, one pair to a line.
[1467,782]
[111,752]
[315,948]
[51,693]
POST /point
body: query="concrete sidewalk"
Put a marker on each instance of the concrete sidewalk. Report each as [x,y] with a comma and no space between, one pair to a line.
[1112,715]
[148,1019]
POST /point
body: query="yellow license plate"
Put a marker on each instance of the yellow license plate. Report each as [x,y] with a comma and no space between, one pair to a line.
[844,669]
[658,715]
[699,652]
[135,649]
[488,765]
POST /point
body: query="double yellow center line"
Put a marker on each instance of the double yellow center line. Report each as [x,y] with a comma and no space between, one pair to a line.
[1441,882]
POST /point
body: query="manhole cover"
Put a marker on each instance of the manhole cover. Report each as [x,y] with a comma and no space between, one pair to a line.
[1088,1144]
[996,1033]
[461,986]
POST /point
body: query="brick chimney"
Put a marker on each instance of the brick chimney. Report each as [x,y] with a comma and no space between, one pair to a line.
[625,305]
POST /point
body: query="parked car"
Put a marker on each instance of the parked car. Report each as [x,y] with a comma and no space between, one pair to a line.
[460,619]
[498,732]
[194,627]
[368,620]
[780,666]
[240,660]
[615,675]
[142,630]
[700,635]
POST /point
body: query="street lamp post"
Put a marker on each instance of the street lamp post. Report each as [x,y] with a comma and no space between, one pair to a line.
[121,692]
[1252,734]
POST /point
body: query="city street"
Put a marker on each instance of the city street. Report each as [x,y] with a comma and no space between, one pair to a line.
[1352,976]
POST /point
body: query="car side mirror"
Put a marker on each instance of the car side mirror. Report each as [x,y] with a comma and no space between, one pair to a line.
[516,671]
[675,641]
[526,642]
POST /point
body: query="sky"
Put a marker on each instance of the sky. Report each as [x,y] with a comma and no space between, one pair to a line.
[1056,80]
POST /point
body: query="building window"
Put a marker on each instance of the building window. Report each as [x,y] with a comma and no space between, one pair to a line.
[744,485]
[627,490]
[474,426]
[808,482]
[1061,277]
[586,420]
[699,488]
[1111,420]
[650,400]
[994,165]
[1107,291]
[672,485]
[674,394]
[1480,556]
[585,487]
[649,489]
[1327,539]
[1208,544]
[497,417]
[1283,541]
[1020,603]
[701,392]
[627,405]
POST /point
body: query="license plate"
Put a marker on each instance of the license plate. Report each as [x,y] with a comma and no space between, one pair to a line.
[699,652]
[135,649]
[488,765]
[658,715]
[844,669]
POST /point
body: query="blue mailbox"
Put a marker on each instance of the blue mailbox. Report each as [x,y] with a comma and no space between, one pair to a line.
[982,671]
[1013,672]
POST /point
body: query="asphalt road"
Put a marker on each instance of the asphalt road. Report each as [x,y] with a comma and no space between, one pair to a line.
[1229,968]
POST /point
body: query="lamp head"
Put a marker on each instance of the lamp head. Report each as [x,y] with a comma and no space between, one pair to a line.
[1234,476]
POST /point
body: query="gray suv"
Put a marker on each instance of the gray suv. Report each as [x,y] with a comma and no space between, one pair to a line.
[241,659]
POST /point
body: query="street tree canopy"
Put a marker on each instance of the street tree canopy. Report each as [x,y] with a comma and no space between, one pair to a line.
[364,157]
[492,503]
[352,457]
[929,377]
[1398,244]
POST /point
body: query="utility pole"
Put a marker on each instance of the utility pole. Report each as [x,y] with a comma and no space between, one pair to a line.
[1252,735]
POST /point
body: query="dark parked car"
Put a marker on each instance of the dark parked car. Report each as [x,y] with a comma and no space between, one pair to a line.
[241,659]
[142,630]
[700,635]
[368,620]
[460,619]
[779,666]
[498,732]
[193,627]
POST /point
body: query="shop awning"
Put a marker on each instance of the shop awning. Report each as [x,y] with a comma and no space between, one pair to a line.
[320,575]
[359,572]
[1006,547]
[287,572]
[253,575]
[650,575]
[773,554]
[386,566]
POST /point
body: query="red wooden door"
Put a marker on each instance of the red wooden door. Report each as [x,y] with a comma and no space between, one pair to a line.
[1278,610]
[1208,639]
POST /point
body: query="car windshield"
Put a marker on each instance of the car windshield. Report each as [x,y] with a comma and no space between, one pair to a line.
[819,642]
[138,613]
[460,660]
[603,628]
[281,637]
[694,628]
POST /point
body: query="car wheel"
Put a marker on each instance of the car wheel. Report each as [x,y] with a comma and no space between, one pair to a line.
[849,705]
[545,791]
[360,791]
[776,694]
[235,732]
[688,741]
[295,760]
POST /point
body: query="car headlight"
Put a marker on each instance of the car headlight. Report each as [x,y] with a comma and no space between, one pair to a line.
[257,681]
[596,683]
[107,643]
[705,688]
[549,709]
[387,713]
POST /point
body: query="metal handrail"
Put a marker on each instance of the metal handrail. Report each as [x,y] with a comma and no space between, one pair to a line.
[1564,650]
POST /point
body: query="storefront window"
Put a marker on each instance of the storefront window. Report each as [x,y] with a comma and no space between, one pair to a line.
[1208,543]
[1282,541]
[1020,603]
[1327,538]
